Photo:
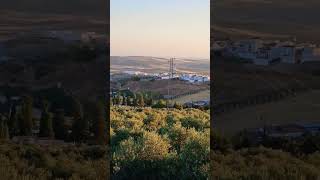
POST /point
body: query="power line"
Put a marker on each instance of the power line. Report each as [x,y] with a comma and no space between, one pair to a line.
[170,76]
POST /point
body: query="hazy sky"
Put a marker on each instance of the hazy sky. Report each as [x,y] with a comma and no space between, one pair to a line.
[167,28]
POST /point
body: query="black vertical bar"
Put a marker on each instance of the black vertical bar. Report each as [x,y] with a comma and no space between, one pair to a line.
[107,96]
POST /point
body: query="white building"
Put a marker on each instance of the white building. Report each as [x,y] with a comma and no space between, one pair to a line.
[193,78]
[310,54]
[88,36]
[250,45]
[269,51]
[165,77]
[263,57]
[288,54]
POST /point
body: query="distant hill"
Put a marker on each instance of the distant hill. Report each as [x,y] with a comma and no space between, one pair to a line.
[81,7]
[278,17]
[156,64]
[16,21]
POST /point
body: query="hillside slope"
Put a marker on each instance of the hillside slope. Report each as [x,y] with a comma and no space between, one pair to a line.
[265,17]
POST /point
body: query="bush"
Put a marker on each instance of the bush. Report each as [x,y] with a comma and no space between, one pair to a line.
[160,148]
[53,162]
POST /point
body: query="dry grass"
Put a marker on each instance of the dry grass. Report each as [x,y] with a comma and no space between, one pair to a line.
[34,162]
[304,107]
[177,87]
[202,95]
[268,19]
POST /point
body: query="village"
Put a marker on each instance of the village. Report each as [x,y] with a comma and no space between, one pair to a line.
[190,89]
[188,77]
[267,52]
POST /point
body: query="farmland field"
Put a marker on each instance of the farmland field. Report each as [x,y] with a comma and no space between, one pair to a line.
[302,108]
[157,64]
[202,95]
[177,87]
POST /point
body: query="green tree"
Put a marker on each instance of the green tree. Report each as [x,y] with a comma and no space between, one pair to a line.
[80,130]
[114,101]
[4,130]
[119,99]
[149,101]
[80,127]
[154,147]
[160,104]
[46,129]
[134,99]
[129,101]
[220,143]
[13,122]
[177,106]
[76,108]
[195,153]
[135,102]
[124,102]
[111,101]
[99,123]
[26,121]
[140,100]
[59,128]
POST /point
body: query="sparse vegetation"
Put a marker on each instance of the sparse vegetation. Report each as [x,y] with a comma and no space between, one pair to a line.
[54,162]
[260,163]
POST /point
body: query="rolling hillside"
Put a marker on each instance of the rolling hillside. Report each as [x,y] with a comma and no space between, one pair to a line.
[302,108]
[156,64]
[266,18]
[80,7]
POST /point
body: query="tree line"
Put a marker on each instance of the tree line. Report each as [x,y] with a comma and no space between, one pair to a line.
[262,98]
[88,121]
[142,100]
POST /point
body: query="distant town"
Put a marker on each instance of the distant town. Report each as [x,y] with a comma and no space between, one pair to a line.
[188,89]
[188,77]
[267,52]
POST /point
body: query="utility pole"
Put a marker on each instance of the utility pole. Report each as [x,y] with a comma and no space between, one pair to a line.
[170,76]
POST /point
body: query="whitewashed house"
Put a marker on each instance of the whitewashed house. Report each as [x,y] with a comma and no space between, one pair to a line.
[310,54]
[288,54]
[275,53]
[251,45]
[193,78]
[263,57]
[165,77]
[245,49]
[206,79]
[88,36]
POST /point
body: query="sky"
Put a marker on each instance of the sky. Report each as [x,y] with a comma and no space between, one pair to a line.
[161,28]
